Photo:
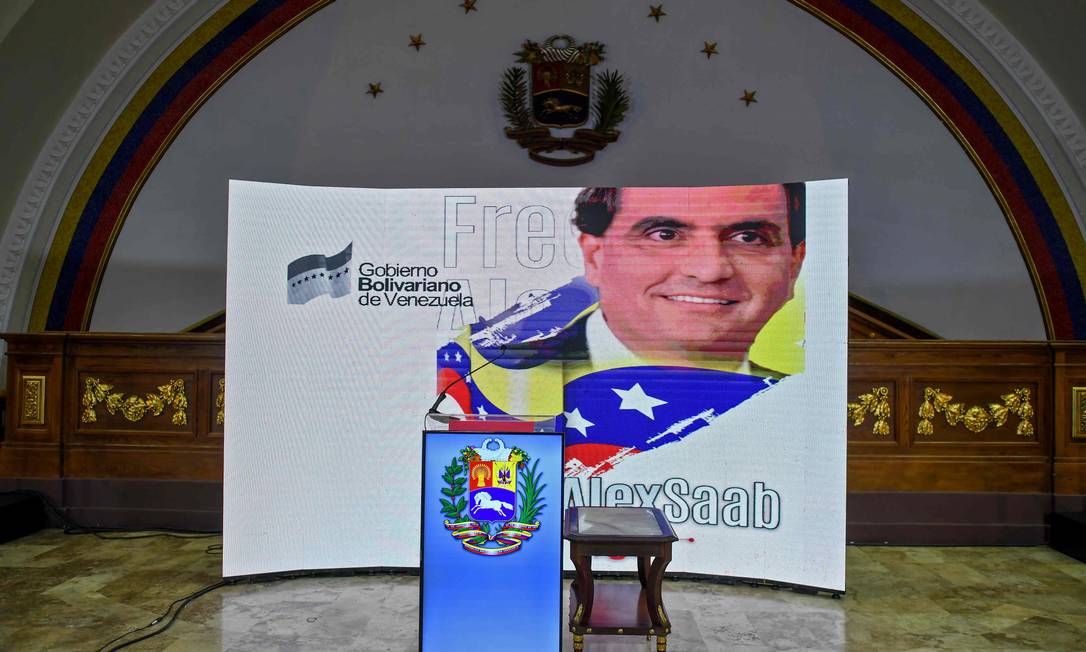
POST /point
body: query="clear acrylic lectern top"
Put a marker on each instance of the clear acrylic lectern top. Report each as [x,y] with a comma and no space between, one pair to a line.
[489,422]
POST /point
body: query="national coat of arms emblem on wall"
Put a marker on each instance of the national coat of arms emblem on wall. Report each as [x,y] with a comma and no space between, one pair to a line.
[493,498]
[560,89]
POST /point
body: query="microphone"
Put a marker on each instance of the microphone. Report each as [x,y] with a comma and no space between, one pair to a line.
[445,392]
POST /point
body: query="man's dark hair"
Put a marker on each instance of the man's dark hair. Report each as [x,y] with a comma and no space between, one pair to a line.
[595,208]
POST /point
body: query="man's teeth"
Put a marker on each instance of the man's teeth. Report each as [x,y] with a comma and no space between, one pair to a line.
[690,299]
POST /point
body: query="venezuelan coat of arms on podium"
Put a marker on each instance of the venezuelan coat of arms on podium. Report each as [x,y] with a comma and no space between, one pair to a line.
[503,502]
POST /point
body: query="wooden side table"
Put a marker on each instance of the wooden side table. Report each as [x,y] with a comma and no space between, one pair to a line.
[619,608]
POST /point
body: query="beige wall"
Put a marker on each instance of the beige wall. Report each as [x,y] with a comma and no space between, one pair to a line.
[50,47]
[46,56]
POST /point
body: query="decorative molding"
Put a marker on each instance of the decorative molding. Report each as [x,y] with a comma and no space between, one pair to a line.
[134,408]
[976,418]
[220,403]
[33,401]
[1078,409]
[55,155]
[1031,78]
[877,402]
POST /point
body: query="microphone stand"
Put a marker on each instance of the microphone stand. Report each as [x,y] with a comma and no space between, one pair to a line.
[445,392]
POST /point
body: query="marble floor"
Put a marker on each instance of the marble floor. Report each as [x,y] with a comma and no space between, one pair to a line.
[60,592]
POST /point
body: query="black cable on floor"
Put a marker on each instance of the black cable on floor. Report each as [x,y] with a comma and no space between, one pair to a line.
[71,527]
[148,533]
[249,579]
[180,603]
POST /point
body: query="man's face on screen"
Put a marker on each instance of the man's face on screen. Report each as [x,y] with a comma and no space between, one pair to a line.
[693,272]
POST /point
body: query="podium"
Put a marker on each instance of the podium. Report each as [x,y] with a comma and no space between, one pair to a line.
[491,557]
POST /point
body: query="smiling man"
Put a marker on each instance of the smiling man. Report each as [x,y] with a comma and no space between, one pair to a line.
[653,343]
[687,274]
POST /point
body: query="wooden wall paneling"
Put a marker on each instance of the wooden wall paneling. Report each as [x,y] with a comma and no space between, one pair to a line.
[216,412]
[31,443]
[995,460]
[872,408]
[139,369]
[870,465]
[132,419]
[954,486]
[978,413]
[976,371]
[1069,429]
[144,462]
[870,366]
[201,392]
[948,474]
[148,345]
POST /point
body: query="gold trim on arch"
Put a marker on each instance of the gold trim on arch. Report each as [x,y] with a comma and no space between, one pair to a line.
[1042,174]
[104,154]
[1004,116]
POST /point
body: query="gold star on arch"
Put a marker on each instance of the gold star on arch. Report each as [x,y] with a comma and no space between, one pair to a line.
[656,12]
[709,50]
[375,90]
[416,42]
[468,5]
[748,97]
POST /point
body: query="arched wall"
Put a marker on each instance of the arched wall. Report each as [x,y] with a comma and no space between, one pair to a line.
[1025,189]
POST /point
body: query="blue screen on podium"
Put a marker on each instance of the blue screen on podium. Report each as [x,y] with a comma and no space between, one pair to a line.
[491,541]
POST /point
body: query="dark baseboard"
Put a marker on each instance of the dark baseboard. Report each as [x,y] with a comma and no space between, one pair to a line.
[950,519]
[176,504]
[129,504]
[942,534]
[129,518]
[1068,503]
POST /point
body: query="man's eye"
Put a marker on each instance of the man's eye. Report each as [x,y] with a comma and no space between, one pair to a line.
[662,235]
[748,237]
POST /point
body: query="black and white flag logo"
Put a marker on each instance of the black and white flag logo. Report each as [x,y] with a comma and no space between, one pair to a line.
[311,276]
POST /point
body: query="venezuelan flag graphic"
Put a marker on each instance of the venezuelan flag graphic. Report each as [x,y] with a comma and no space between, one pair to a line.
[541,367]
[611,415]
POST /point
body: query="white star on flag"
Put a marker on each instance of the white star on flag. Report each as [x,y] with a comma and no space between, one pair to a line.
[574,421]
[446,356]
[635,398]
[458,356]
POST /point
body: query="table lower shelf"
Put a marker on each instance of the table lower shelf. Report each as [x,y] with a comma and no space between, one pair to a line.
[616,609]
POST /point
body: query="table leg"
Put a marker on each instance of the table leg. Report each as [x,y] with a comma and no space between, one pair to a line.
[661,644]
[642,570]
[654,594]
[583,564]
[578,642]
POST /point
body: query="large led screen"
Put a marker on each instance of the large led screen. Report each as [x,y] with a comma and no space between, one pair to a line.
[692,341]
